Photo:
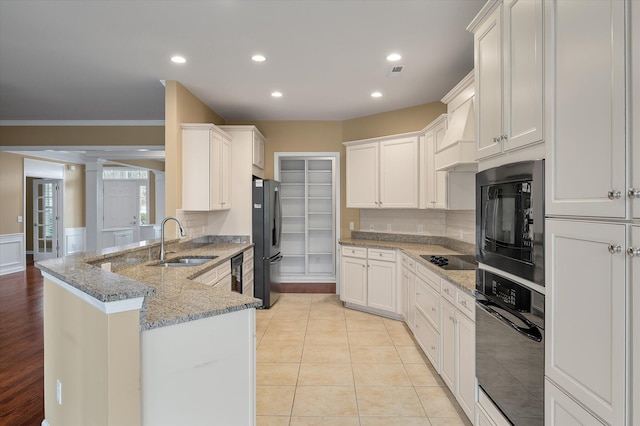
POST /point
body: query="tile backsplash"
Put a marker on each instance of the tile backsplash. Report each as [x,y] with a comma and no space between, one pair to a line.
[456,224]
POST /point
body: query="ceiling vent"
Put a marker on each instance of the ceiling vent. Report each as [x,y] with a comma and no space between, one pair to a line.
[395,70]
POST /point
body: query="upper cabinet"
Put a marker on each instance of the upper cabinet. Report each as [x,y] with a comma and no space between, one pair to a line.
[258,151]
[206,168]
[433,183]
[383,173]
[508,76]
[585,108]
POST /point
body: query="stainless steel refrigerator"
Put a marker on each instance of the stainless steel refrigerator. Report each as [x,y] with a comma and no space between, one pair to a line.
[267,231]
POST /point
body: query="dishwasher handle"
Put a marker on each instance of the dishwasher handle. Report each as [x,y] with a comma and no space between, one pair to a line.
[531,331]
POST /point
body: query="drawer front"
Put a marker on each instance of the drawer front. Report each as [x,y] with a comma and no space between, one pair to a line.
[354,251]
[408,262]
[429,277]
[428,301]
[466,304]
[208,278]
[429,340]
[449,292]
[389,255]
[224,269]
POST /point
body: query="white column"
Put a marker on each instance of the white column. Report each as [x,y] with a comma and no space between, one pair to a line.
[159,196]
[94,204]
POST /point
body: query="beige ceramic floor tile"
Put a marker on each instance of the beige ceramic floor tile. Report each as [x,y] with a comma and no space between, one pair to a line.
[333,353]
[280,337]
[388,401]
[353,314]
[394,325]
[288,324]
[326,325]
[272,420]
[264,314]
[411,354]
[332,338]
[326,311]
[277,373]
[325,421]
[285,316]
[449,421]
[422,375]
[279,353]
[325,374]
[325,401]
[374,354]
[394,421]
[380,375]
[365,325]
[369,338]
[401,338]
[436,402]
[274,400]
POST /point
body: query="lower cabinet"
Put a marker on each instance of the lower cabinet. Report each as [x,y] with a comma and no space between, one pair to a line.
[428,339]
[219,276]
[562,410]
[368,279]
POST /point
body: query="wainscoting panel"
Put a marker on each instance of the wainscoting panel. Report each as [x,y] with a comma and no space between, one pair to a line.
[74,240]
[12,254]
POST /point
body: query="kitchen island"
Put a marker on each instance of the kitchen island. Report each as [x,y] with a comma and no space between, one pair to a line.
[131,343]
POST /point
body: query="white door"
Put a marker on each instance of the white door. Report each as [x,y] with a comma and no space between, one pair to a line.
[47,222]
[399,173]
[354,280]
[585,108]
[585,308]
[448,332]
[362,176]
[466,371]
[121,205]
[381,291]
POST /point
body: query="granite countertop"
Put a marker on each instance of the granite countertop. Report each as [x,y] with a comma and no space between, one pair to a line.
[171,296]
[465,280]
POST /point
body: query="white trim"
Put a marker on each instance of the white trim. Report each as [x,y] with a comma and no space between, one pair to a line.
[43,169]
[20,123]
[74,240]
[12,248]
[104,307]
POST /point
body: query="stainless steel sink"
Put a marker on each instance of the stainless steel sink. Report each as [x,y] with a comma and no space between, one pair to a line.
[184,261]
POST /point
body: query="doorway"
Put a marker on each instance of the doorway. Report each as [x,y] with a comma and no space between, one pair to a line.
[47,224]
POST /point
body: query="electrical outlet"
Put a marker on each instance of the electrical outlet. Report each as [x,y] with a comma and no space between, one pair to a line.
[19,219]
[420,229]
[59,391]
[388,227]
[371,227]
[351,226]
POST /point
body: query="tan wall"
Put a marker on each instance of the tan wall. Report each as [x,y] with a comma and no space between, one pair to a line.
[74,197]
[393,122]
[80,135]
[181,106]
[96,360]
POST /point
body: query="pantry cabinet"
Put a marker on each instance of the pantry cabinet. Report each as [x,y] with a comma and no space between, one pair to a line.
[368,279]
[586,313]
[206,168]
[382,173]
[509,76]
[585,108]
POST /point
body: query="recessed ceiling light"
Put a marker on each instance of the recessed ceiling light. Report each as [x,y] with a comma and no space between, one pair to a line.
[276,94]
[178,59]
[394,57]
[376,94]
[258,58]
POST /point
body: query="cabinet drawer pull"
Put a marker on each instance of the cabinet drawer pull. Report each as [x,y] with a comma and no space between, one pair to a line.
[614,195]
[633,193]
[633,251]
[433,348]
[614,248]
[434,309]
[463,303]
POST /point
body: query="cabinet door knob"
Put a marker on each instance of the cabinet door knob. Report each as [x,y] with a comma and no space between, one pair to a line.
[433,348]
[614,195]
[614,248]
[434,309]
[463,303]
[633,193]
[633,251]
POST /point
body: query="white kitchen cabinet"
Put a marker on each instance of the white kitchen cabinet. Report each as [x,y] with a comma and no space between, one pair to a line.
[561,410]
[408,291]
[466,374]
[428,339]
[206,168]
[448,333]
[634,194]
[585,308]
[433,188]
[383,173]
[585,108]
[258,151]
[508,75]
[368,280]
[635,326]
[220,276]
[247,272]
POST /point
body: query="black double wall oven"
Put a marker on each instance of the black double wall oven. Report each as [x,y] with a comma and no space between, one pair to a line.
[509,299]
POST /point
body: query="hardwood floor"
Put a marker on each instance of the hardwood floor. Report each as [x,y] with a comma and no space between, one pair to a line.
[21,348]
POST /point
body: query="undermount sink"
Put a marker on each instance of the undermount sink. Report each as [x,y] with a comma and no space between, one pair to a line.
[184,261]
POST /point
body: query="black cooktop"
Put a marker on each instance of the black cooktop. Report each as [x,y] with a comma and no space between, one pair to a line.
[452,262]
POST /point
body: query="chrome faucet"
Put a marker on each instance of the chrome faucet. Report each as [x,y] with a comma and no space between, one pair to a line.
[182,234]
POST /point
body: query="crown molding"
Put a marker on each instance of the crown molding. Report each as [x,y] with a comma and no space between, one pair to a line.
[94,123]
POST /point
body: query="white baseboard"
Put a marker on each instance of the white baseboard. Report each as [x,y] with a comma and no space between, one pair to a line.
[12,255]
[75,240]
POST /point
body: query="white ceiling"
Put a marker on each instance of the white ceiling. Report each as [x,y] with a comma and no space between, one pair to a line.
[102,60]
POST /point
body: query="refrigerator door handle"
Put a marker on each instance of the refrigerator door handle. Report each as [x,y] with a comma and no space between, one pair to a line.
[275,260]
[277,220]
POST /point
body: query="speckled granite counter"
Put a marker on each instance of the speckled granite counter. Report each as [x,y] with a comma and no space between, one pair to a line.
[463,279]
[171,296]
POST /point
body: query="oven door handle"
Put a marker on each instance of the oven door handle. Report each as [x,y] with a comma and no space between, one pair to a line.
[532,332]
